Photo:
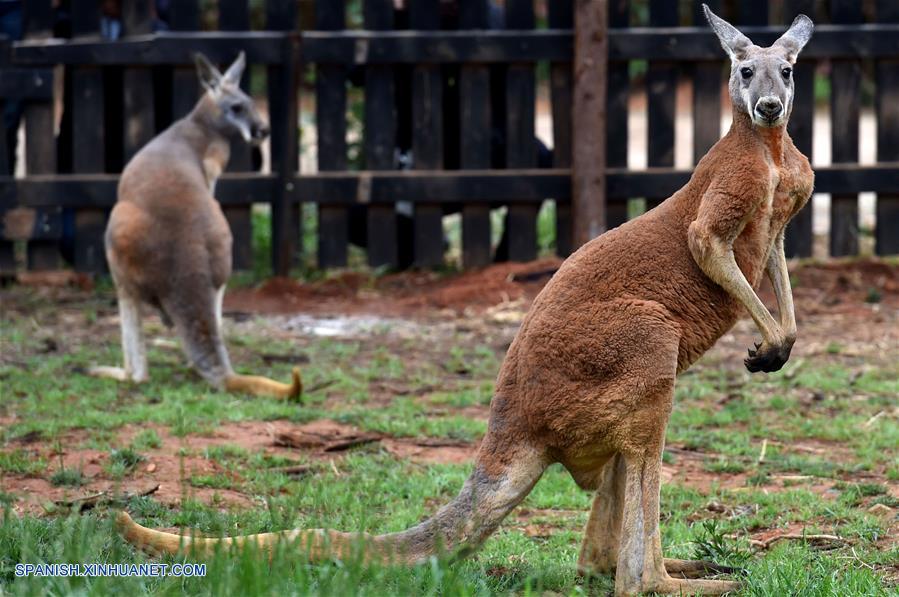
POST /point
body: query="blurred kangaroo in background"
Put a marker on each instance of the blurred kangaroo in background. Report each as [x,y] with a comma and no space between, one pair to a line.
[589,379]
[168,243]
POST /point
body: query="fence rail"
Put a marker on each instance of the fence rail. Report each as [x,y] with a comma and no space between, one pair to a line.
[441,95]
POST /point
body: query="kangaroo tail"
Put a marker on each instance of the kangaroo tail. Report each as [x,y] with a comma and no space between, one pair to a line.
[458,528]
[263,386]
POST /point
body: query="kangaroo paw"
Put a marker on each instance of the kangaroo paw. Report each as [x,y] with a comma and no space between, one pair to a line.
[116,373]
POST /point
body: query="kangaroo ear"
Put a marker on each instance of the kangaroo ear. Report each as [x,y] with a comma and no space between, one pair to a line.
[210,77]
[733,42]
[235,71]
[796,37]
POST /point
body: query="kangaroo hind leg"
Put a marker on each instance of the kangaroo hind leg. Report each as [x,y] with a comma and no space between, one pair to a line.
[641,567]
[134,348]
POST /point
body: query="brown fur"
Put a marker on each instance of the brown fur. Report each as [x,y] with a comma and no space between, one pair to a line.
[589,379]
[168,243]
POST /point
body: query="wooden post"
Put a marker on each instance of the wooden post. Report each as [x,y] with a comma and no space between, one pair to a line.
[588,184]
[886,232]
[799,238]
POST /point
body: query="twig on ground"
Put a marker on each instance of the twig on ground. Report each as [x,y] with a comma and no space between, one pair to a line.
[823,541]
[102,498]
[873,419]
[762,453]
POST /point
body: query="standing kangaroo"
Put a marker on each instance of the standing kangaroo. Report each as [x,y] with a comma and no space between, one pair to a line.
[589,380]
[168,244]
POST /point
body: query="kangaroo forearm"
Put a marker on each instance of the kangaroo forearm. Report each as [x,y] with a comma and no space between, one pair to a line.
[715,258]
[780,280]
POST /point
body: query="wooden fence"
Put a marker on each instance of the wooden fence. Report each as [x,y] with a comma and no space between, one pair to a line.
[434,89]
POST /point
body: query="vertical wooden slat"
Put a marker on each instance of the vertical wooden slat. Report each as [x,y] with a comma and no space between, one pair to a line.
[661,89]
[799,237]
[706,93]
[521,149]
[7,248]
[282,102]
[184,15]
[88,140]
[427,137]
[330,110]
[234,15]
[588,181]
[380,139]
[475,121]
[617,96]
[561,16]
[138,82]
[40,145]
[845,100]
[886,233]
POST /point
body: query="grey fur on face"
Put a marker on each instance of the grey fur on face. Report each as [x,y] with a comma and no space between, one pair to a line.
[237,113]
[761,79]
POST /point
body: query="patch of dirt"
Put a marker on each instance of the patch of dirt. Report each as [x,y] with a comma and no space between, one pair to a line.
[178,459]
[398,294]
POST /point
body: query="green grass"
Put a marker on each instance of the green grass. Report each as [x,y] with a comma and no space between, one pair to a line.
[821,471]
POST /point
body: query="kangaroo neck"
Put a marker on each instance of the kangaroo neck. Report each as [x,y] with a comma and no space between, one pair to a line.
[772,138]
[211,146]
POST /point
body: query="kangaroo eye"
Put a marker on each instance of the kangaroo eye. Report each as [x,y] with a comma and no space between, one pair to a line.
[236,109]
[746,72]
[786,72]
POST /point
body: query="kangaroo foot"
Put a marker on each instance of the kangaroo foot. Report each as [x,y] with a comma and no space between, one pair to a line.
[697,568]
[116,373]
[680,586]
[257,385]
[768,358]
[676,568]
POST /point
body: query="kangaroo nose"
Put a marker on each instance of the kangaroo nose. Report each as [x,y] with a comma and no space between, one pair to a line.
[769,108]
[261,131]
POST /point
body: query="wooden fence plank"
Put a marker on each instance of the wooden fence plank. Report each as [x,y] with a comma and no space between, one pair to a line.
[282,101]
[799,238]
[380,139]
[234,15]
[707,80]
[561,16]
[88,140]
[588,183]
[427,137]
[845,102]
[618,96]
[425,186]
[521,149]
[886,233]
[661,89]
[138,82]
[184,16]
[40,146]
[7,248]
[330,110]
[475,136]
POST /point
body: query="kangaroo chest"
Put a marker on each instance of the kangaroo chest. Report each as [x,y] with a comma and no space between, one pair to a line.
[789,188]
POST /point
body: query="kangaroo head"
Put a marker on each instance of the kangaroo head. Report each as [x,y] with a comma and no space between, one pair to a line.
[761,79]
[234,111]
